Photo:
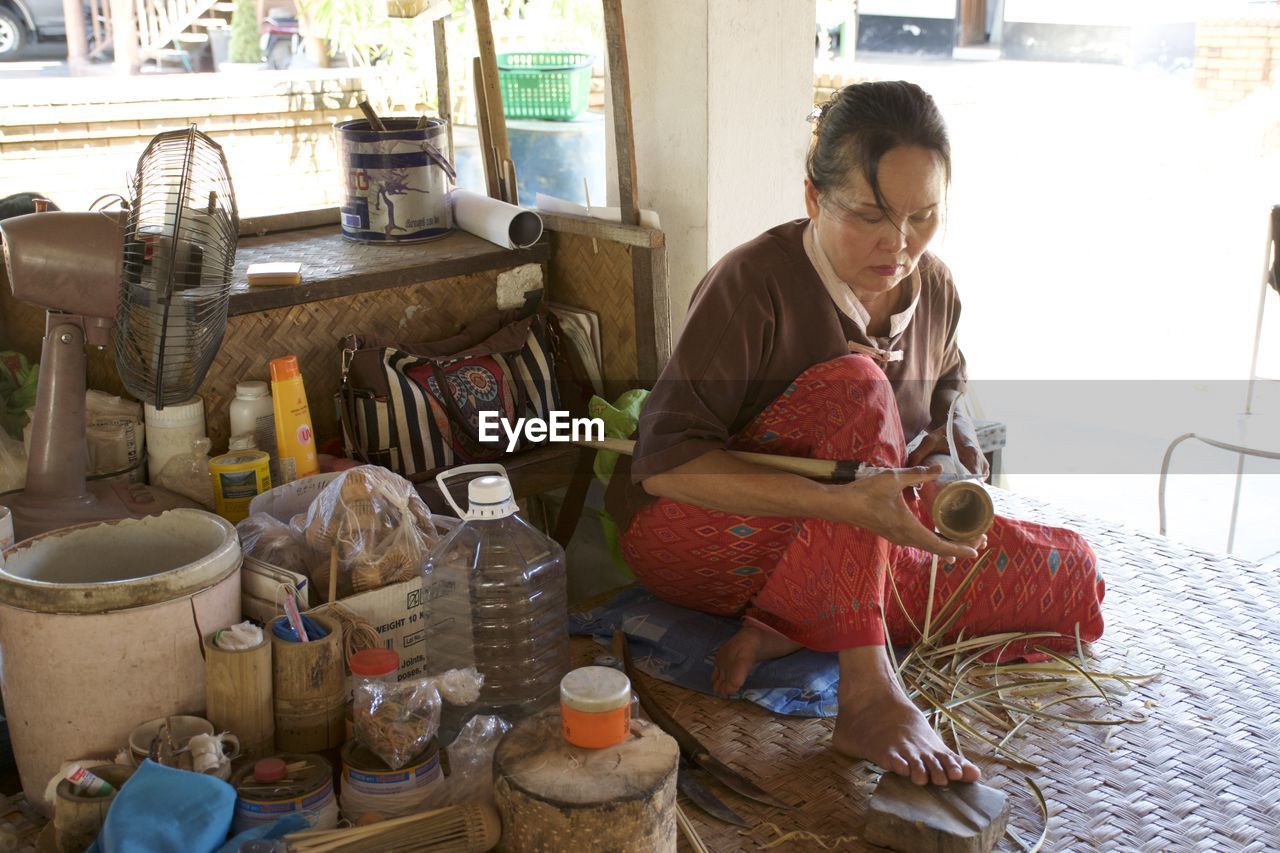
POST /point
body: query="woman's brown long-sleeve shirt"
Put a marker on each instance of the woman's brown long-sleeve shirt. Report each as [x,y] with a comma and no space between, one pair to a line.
[759,319]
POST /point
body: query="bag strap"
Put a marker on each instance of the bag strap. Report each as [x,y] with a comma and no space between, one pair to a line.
[347,402]
[457,419]
[563,353]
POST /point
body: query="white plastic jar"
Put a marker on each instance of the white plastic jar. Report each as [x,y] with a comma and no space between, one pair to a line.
[251,412]
[170,431]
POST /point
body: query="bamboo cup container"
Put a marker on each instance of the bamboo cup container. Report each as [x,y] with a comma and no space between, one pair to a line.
[963,511]
[310,695]
[238,687]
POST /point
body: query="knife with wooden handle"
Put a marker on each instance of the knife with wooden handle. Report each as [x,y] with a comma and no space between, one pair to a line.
[690,747]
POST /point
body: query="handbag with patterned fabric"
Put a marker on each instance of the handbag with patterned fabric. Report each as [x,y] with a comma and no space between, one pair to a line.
[416,408]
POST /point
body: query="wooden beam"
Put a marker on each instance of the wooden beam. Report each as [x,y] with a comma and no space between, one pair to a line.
[587,226]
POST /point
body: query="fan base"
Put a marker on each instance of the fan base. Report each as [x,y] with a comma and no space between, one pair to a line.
[103,502]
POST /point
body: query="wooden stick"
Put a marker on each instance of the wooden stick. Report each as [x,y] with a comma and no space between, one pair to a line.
[493,92]
[820,469]
[374,122]
[333,575]
[444,92]
[491,177]
[690,833]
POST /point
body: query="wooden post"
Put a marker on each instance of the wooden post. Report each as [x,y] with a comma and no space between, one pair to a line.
[124,37]
[648,266]
[77,40]
[973,22]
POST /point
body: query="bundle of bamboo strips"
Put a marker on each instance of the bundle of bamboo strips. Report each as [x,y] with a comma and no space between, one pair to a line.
[470,828]
[991,703]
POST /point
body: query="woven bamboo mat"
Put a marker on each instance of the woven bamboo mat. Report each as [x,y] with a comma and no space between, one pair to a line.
[1202,773]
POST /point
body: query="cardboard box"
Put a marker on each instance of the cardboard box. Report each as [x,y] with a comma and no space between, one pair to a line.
[394,611]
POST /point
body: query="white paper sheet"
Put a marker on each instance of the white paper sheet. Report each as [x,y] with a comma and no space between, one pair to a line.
[551,204]
[509,226]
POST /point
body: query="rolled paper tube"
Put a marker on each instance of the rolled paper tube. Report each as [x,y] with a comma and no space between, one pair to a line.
[505,224]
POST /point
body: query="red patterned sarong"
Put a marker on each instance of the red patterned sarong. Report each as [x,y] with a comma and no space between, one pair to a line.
[825,584]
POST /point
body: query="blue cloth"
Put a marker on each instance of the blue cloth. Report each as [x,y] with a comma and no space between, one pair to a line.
[164,810]
[679,645]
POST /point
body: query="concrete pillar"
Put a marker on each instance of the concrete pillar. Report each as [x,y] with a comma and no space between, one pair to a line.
[720,90]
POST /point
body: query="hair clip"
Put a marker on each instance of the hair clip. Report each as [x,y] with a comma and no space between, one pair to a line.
[815,115]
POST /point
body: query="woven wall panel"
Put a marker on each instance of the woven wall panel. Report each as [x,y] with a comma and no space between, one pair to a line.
[312,332]
[599,279]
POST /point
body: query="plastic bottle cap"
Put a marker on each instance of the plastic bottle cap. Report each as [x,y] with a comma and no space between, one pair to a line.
[490,497]
[285,367]
[269,770]
[595,689]
[373,663]
[186,413]
[252,390]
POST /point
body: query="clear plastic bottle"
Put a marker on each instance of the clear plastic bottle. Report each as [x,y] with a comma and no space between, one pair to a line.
[495,598]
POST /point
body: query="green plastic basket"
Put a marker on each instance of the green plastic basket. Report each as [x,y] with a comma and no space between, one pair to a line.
[544,85]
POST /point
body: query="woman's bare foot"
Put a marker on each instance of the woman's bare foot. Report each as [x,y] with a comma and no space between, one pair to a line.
[876,721]
[736,658]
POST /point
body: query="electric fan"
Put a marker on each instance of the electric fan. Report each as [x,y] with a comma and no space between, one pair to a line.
[160,272]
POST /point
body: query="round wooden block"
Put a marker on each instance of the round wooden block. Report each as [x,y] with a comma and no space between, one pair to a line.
[556,796]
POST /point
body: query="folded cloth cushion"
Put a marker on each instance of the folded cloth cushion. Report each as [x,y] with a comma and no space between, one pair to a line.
[679,645]
[163,810]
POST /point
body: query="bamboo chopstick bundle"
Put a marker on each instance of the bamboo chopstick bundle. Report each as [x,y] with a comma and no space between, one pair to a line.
[470,828]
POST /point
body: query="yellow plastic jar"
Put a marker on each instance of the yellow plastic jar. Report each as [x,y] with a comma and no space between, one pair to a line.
[595,707]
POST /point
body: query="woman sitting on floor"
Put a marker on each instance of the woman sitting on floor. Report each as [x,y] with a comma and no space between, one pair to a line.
[834,337]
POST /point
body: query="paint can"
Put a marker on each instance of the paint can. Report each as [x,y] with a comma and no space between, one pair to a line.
[238,478]
[289,783]
[395,182]
[369,785]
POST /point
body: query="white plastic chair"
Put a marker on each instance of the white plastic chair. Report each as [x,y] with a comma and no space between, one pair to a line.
[1251,434]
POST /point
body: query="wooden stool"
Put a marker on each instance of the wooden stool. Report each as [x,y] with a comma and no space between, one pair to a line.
[556,796]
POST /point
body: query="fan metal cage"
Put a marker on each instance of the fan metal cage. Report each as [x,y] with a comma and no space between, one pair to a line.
[179,256]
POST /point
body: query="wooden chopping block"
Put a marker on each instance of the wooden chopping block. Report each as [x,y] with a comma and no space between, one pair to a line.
[553,795]
[963,817]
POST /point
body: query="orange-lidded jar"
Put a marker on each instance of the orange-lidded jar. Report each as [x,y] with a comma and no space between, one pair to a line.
[595,707]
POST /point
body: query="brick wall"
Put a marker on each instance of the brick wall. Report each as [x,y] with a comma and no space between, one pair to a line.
[1236,56]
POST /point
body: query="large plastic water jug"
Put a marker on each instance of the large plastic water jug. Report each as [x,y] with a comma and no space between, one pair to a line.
[494,597]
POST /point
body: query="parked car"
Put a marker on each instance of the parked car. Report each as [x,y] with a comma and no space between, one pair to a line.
[24,22]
